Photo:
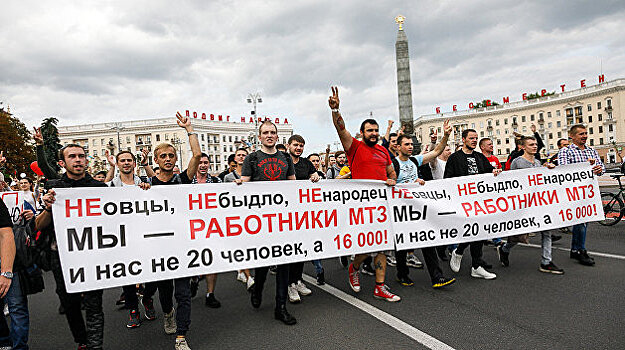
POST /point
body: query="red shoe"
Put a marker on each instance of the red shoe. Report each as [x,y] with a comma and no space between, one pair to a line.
[382,292]
[354,278]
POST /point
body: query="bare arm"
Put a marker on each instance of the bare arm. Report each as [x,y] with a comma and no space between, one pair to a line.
[337,119]
[327,161]
[42,162]
[430,156]
[44,219]
[391,176]
[185,123]
[144,163]
[7,255]
[111,172]
[388,131]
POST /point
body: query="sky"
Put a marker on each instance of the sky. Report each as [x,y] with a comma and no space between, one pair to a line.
[85,61]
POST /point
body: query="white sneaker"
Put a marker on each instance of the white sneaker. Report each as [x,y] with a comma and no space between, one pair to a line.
[293,294]
[241,277]
[6,310]
[481,272]
[302,289]
[169,322]
[181,344]
[413,261]
[454,262]
[250,283]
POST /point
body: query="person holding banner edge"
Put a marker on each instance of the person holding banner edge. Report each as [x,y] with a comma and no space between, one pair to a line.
[462,163]
[165,155]
[90,335]
[368,161]
[269,164]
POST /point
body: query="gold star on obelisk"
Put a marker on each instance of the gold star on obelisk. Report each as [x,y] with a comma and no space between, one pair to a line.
[400,20]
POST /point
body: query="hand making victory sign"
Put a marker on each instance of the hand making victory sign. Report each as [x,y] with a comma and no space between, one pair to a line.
[339,123]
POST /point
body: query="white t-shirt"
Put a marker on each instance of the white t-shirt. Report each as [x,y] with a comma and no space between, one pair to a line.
[439,170]
[408,170]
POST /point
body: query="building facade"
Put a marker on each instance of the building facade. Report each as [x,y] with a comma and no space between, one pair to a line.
[598,107]
[218,138]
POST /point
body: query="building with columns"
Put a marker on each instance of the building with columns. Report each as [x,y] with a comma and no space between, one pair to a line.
[599,107]
[219,137]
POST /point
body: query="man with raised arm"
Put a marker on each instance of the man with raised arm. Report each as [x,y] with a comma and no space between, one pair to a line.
[368,161]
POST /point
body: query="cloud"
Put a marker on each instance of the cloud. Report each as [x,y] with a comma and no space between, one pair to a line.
[124,60]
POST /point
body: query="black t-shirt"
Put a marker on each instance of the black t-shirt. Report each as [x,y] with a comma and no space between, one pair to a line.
[472,164]
[179,179]
[261,166]
[303,169]
[5,218]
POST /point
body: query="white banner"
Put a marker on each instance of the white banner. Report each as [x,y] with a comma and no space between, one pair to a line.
[14,202]
[110,237]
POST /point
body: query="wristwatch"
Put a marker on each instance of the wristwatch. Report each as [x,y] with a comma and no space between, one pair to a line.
[7,274]
[335,110]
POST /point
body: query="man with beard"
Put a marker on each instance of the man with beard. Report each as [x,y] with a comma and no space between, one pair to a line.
[90,335]
[165,156]
[335,169]
[369,161]
[304,170]
[462,163]
[126,162]
[269,164]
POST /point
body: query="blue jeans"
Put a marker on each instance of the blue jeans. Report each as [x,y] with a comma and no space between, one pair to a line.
[578,241]
[545,245]
[318,267]
[18,311]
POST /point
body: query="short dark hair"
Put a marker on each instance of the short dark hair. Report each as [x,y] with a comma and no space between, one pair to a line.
[134,159]
[393,134]
[296,137]
[575,127]
[204,155]
[525,138]
[231,158]
[101,172]
[314,155]
[401,138]
[61,153]
[484,140]
[338,153]
[266,122]
[367,121]
[560,141]
[466,132]
[281,147]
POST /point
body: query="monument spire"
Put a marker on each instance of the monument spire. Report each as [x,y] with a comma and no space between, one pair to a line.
[404,91]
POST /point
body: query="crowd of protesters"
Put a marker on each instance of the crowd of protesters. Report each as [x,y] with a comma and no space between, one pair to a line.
[390,158]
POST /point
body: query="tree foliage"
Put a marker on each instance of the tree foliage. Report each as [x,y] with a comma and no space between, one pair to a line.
[51,141]
[485,103]
[17,145]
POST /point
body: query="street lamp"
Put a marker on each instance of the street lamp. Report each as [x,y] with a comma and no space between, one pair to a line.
[254,99]
[118,127]
[177,142]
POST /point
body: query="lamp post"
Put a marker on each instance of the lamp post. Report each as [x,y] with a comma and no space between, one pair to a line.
[118,127]
[254,99]
[177,142]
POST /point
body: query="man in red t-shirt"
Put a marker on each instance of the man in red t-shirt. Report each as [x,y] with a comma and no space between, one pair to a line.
[486,146]
[368,160]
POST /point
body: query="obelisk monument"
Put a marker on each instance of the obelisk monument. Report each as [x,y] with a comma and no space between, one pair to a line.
[404,91]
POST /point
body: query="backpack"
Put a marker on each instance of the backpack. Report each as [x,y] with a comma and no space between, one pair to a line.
[26,253]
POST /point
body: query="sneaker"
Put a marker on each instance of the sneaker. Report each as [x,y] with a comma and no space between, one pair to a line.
[256,297]
[481,272]
[302,289]
[368,270]
[121,300]
[194,284]
[582,257]
[282,315]
[551,268]
[169,323]
[181,344]
[241,277]
[343,261]
[273,270]
[82,347]
[293,294]
[442,282]
[250,283]
[405,281]
[5,311]
[503,256]
[391,261]
[133,320]
[413,261]
[382,292]
[454,262]
[321,278]
[354,278]
[555,238]
[150,313]
[211,301]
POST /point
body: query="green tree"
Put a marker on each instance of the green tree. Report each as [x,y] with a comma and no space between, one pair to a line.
[51,141]
[16,143]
